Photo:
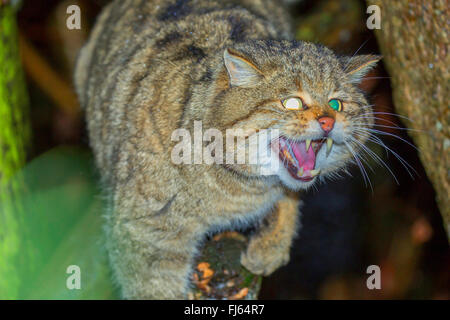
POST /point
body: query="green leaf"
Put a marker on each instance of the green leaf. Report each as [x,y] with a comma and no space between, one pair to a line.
[60,224]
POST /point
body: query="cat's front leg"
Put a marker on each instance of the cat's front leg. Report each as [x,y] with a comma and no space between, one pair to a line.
[151,253]
[269,247]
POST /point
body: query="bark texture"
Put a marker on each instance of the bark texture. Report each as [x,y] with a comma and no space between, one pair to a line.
[414,40]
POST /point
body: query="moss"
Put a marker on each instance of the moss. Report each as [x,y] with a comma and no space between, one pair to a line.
[14,135]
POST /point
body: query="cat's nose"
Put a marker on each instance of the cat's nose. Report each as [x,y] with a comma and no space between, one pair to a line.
[326,123]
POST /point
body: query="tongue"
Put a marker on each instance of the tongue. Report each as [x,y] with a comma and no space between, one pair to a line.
[306,159]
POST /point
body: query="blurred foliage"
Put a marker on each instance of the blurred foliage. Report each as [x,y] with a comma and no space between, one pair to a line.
[335,23]
[60,226]
[14,137]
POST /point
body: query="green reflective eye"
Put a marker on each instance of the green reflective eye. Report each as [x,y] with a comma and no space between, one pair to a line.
[335,104]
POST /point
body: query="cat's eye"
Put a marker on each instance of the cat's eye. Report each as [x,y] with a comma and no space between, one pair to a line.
[335,104]
[293,103]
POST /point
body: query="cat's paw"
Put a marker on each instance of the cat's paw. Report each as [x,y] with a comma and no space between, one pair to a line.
[262,260]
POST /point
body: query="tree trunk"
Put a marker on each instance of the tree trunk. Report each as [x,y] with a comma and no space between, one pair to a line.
[414,40]
[14,133]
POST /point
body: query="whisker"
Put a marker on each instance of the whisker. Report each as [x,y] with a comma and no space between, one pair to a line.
[376,158]
[384,112]
[361,167]
[370,78]
[356,52]
[405,164]
[390,127]
[393,114]
[368,130]
[378,119]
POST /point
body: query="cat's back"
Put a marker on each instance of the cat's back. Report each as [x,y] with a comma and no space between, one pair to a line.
[137,73]
[173,30]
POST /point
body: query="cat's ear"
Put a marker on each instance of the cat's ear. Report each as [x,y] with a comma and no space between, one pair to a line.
[242,72]
[358,66]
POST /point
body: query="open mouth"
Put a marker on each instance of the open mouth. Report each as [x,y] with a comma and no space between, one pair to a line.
[299,157]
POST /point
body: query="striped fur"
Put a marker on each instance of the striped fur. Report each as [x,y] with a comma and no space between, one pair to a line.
[151,67]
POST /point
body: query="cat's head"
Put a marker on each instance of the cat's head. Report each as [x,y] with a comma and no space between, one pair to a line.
[309,94]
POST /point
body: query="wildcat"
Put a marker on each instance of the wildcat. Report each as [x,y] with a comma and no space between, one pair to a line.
[151,67]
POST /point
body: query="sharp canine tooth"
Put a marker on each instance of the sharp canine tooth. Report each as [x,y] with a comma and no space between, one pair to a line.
[308,143]
[300,172]
[329,144]
[314,172]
